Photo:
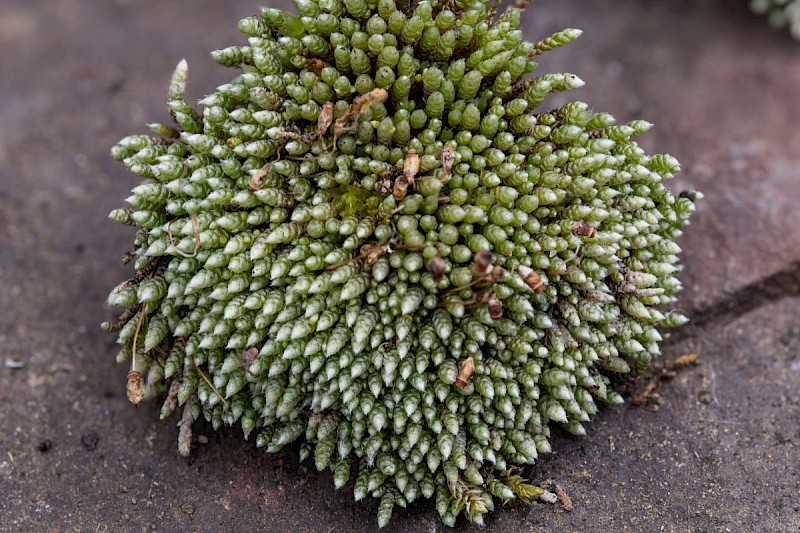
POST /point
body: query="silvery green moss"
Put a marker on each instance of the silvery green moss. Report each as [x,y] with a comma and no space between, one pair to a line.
[323,279]
[781,13]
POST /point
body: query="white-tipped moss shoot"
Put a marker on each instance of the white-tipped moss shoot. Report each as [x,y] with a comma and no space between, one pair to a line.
[781,13]
[374,241]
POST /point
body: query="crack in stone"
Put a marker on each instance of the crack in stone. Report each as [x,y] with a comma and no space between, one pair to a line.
[782,284]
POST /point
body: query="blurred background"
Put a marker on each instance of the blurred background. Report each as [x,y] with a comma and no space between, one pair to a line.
[711,446]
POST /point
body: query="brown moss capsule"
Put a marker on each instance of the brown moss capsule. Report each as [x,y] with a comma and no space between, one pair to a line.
[359,106]
[324,120]
[316,64]
[288,134]
[465,372]
[495,274]
[436,266]
[371,251]
[483,296]
[363,102]
[259,179]
[482,264]
[495,307]
[135,387]
[400,188]
[383,187]
[248,357]
[411,165]
[583,229]
[532,279]
[448,157]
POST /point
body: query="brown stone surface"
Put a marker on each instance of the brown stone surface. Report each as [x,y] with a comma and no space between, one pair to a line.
[714,448]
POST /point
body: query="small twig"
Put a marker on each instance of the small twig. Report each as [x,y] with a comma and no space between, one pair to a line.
[124,318]
[394,212]
[467,286]
[713,380]
[185,430]
[251,354]
[312,158]
[565,500]
[684,360]
[196,229]
[134,387]
[641,398]
[211,385]
[136,336]
[344,262]
[731,422]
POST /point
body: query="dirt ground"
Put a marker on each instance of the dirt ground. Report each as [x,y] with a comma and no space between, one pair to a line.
[712,446]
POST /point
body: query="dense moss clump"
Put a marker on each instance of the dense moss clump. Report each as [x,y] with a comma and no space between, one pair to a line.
[781,13]
[374,241]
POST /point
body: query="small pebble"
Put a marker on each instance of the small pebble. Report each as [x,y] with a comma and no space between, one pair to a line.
[90,441]
[548,497]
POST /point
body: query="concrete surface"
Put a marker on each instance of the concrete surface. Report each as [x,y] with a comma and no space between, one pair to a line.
[714,447]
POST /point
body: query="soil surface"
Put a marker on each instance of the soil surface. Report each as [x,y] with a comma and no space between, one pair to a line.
[711,446]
